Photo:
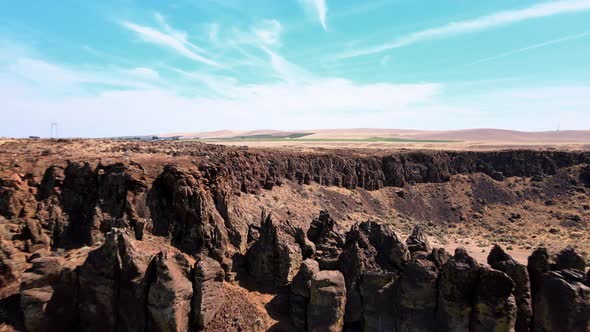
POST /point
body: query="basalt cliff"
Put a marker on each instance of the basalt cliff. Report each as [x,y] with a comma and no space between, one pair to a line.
[173,236]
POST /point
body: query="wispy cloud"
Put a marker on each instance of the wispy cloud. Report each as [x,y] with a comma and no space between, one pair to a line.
[50,78]
[268,32]
[477,24]
[531,47]
[318,8]
[170,38]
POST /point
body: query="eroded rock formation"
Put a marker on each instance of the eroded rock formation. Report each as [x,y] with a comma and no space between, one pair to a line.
[97,246]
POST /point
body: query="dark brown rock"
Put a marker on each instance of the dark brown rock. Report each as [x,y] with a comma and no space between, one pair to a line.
[417,295]
[36,237]
[209,291]
[372,258]
[499,260]
[328,241]
[132,285]
[494,308]
[538,265]
[327,301]
[562,303]
[169,294]
[12,263]
[457,287]
[275,258]
[299,295]
[15,199]
[79,199]
[98,280]
[49,293]
[183,208]
[418,241]
[569,259]
[440,257]
[112,291]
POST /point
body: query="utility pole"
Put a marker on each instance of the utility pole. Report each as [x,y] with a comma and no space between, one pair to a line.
[53,133]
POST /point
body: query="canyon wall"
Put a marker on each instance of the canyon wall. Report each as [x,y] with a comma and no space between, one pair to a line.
[113,247]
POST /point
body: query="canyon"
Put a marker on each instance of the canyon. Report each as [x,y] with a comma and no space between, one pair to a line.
[115,235]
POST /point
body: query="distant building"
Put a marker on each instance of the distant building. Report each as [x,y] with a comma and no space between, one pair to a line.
[34,137]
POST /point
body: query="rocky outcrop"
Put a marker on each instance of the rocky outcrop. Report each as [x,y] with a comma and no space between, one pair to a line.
[182,208]
[170,293]
[327,239]
[569,259]
[538,265]
[132,284]
[327,301]
[48,294]
[299,295]
[12,263]
[457,288]
[116,218]
[494,308]
[562,303]
[112,285]
[561,299]
[499,260]
[371,262]
[98,287]
[417,241]
[209,292]
[275,258]
[417,295]
[16,196]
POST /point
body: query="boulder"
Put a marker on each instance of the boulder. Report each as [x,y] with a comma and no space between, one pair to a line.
[299,295]
[500,260]
[209,291]
[457,288]
[562,302]
[169,293]
[418,241]
[569,259]
[494,308]
[417,295]
[327,301]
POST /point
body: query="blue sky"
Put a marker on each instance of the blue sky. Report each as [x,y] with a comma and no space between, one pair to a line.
[102,68]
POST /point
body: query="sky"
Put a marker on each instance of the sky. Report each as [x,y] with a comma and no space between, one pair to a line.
[135,67]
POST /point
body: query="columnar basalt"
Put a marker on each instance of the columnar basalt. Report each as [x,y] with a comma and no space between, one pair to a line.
[124,246]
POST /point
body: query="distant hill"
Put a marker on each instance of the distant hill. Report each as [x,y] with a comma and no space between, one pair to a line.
[466,135]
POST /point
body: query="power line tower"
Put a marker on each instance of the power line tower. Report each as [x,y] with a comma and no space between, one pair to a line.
[53,132]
